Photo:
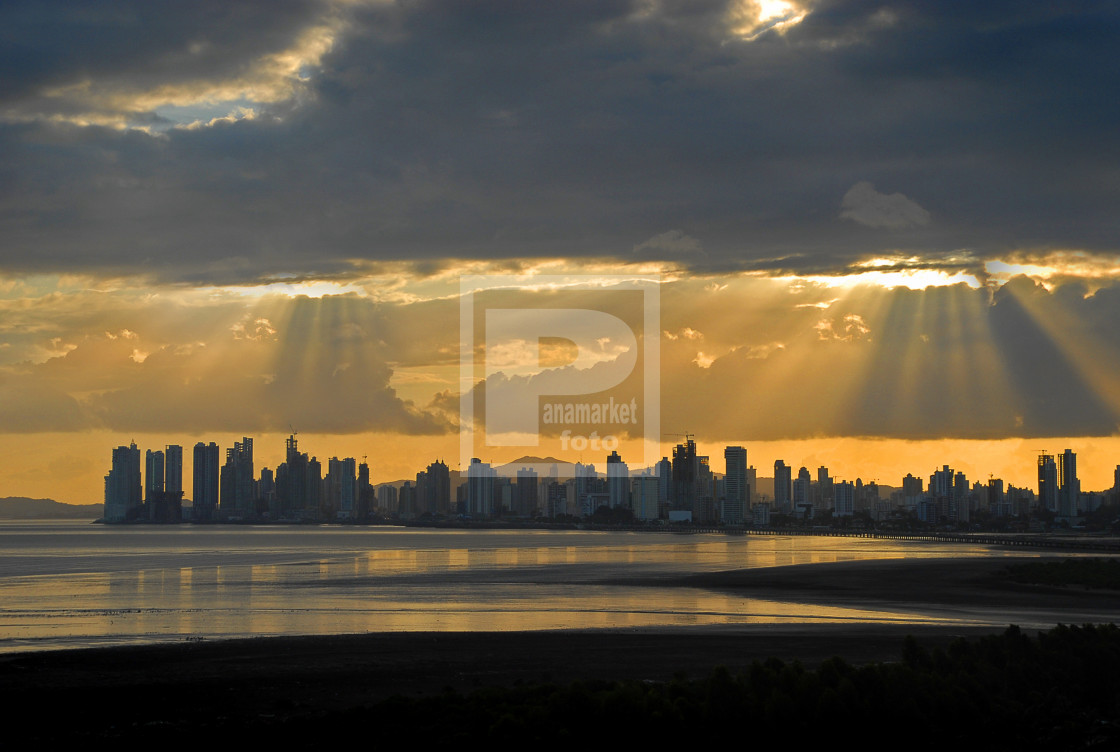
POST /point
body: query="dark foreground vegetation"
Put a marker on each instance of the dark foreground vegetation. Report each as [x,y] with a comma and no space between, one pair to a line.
[1090,573]
[1057,690]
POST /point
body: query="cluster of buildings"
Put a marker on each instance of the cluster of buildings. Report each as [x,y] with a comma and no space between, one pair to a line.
[681,489]
[231,491]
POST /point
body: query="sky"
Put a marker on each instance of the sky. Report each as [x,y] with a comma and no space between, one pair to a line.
[885,232]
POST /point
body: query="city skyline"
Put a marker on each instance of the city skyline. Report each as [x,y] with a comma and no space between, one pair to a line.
[1012,460]
[881,232]
[299,488]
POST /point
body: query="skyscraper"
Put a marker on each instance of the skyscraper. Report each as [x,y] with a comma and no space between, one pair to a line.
[293,484]
[340,482]
[783,482]
[824,494]
[438,492]
[1069,487]
[1047,482]
[525,493]
[173,469]
[737,496]
[237,479]
[366,498]
[206,474]
[153,475]
[801,487]
[480,488]
[685,491]
[122,485]
[618,481]
[845,499]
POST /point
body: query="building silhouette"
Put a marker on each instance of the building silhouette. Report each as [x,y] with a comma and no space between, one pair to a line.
[480,488]
[618,481]
[737,496]
[173,469]
[206,476]
[525,493]
[1069,487]
[783,487]
[1047,482]
[123,498]
[294,483]
[237,480]
[163,484]
[153,474]
[685,489]
[844,504]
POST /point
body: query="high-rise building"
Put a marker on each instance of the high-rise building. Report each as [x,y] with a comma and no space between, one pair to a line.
[480,488]
[783,487]
[941,483]
[314,488]
[960,507]
[824,495]
[1069,487]
[153,475]
[437,492]
[122,485]
[525,493]
[293,483]
[704,506]
[737,496]
[664,485]
[163,485]
[684,492]
[618,481]
[644,495]
[406,500]
[206,474]
[366,498]
[173,469]
[1047,482]
[844,504]
[237,480]
[266,489]
[912,489]
[340,482]
[761,514]
[387,499]
[801,488]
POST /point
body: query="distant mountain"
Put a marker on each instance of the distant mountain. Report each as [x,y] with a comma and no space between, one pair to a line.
[23,508]
[512,467]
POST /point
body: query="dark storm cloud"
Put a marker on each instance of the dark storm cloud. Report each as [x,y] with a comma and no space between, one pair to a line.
[48,44]
[440,130]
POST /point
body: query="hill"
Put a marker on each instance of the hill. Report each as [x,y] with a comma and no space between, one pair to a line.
[23,508]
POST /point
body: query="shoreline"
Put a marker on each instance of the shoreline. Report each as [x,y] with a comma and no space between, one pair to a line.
[215,683]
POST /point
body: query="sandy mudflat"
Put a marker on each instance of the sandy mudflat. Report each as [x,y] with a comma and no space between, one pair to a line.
[944,582]
[296,676]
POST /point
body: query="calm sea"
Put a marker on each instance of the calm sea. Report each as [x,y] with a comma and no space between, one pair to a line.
[72,584]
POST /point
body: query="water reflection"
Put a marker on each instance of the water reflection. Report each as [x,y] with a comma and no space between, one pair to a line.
[84,587]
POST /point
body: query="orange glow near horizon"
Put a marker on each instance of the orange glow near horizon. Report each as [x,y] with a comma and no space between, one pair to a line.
[71,467]
[853,344]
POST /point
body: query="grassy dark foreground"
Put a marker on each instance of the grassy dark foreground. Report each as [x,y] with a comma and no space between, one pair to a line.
[1056,690]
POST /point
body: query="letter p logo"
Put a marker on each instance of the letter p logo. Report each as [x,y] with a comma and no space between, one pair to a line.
[518,396]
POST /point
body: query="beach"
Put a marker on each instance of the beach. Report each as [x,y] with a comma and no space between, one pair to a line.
[107,691]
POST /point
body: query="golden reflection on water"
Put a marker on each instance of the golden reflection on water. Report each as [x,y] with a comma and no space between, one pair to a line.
[490,585]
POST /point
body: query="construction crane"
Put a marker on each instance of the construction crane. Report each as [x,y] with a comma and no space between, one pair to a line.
[686,435]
